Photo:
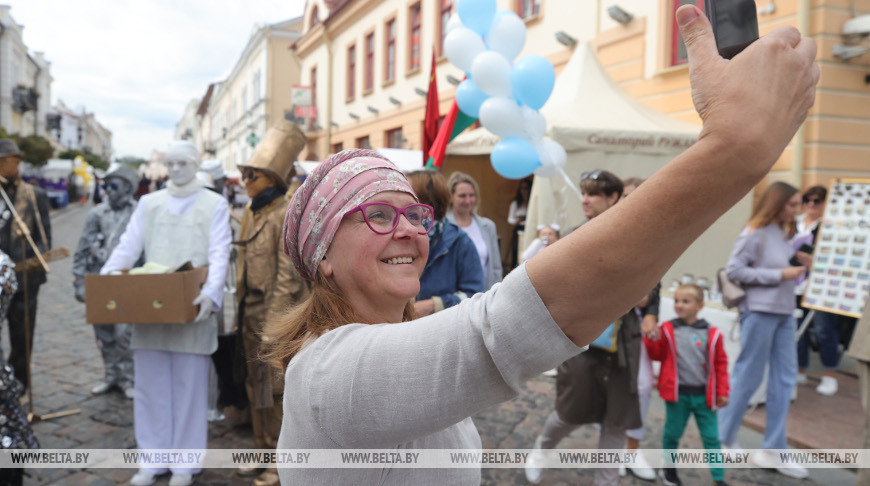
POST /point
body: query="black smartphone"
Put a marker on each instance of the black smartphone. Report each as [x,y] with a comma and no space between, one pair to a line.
[735,24]
[804,248]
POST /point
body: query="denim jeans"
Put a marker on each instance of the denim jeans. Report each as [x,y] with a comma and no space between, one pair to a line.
[827,333]
[765,339]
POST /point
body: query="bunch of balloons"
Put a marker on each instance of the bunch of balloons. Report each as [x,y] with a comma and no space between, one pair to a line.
[504,95]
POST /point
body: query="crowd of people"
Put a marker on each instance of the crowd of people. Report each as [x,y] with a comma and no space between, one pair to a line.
[312,353]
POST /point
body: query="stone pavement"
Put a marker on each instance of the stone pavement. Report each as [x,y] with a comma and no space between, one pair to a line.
[66,364]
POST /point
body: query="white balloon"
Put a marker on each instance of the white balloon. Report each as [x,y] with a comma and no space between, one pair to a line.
[462,46]
[452,23]
[507,35]
[534,123]
[502,116]
[491,73]
[552,156]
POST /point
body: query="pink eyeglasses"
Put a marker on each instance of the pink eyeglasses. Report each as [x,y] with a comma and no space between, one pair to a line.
[383,218]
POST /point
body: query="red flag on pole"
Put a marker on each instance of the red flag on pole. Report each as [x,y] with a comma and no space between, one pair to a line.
[454,123]
[430,123]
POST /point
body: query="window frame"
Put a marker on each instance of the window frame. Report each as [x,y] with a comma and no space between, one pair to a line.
[390,43]
[444,13]
[415,25]
[350,73]
[675,40]
[369,63]
[389,134]
[359,142]
[535,9]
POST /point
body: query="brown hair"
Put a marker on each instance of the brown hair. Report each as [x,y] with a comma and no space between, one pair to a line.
[632,181]
[600,182]
[819,191]
[458,178]
[696,290]
[770,204]
[324,310]
[431,188]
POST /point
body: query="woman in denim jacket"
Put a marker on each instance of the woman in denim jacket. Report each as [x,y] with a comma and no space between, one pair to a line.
[453,272]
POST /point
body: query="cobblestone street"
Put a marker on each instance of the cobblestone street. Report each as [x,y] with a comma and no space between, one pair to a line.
[67,364]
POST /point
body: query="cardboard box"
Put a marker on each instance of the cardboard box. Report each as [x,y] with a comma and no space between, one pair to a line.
[162,298]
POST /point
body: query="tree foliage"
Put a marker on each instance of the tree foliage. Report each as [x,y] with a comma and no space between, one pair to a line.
[36,149]
[92,159]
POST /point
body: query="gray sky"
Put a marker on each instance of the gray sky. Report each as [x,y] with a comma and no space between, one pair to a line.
[137,63]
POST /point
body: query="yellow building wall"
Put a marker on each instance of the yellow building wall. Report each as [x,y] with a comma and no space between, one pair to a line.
[837,133]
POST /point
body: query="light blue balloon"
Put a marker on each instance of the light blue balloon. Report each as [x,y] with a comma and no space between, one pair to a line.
[514,158]
[533,78]
[469,98]
[477,15]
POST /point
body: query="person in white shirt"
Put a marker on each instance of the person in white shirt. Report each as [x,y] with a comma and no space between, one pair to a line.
[465,194]
[184,222]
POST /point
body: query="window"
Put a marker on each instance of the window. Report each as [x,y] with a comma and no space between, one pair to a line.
[414,14]
[351,71]
[312,122]
[313,84]
[255,83]
[678,47]
[394,138]
[244,100]
[369,73]
[363,142]
[337,147]
[527,9]
[445,10]
[390,54]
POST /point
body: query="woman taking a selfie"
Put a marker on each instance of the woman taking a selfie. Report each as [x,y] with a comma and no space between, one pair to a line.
[362,373]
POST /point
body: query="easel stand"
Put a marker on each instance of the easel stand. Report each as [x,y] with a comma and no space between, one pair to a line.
[808,319]
[22,230]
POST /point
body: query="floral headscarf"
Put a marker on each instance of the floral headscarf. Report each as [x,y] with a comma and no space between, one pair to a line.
[337,185]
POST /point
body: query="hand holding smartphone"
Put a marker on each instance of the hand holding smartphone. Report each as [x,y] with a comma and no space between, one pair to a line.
[735,24]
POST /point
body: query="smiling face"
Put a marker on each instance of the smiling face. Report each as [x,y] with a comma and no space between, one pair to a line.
[464,198]
[378,274]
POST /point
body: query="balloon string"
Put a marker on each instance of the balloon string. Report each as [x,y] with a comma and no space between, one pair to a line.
[570,184]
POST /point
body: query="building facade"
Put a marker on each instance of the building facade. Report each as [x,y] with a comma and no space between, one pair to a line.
[255,96]
[368,63]
[80,130]
[25,81]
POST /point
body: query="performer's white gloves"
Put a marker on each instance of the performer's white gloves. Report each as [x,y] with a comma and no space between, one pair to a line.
[205,305]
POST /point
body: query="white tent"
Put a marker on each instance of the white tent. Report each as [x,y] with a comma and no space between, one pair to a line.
[602,127]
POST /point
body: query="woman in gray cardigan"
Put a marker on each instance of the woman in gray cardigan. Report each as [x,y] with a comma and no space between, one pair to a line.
[361,372]
[760,261]
[464,193]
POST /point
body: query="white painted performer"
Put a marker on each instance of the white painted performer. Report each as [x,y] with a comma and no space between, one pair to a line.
[183,222]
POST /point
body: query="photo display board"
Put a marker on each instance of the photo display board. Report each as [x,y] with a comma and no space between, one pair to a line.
[839,280]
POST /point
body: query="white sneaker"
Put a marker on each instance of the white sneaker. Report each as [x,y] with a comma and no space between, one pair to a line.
[181,480]
[641,468]
[801,379]
[732,450]
[129,393]
[533,467]
[768,460]
[101,388]
[828,386]
[142,478]
[552,372]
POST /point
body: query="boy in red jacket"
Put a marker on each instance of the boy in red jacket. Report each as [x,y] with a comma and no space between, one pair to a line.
[693,377]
